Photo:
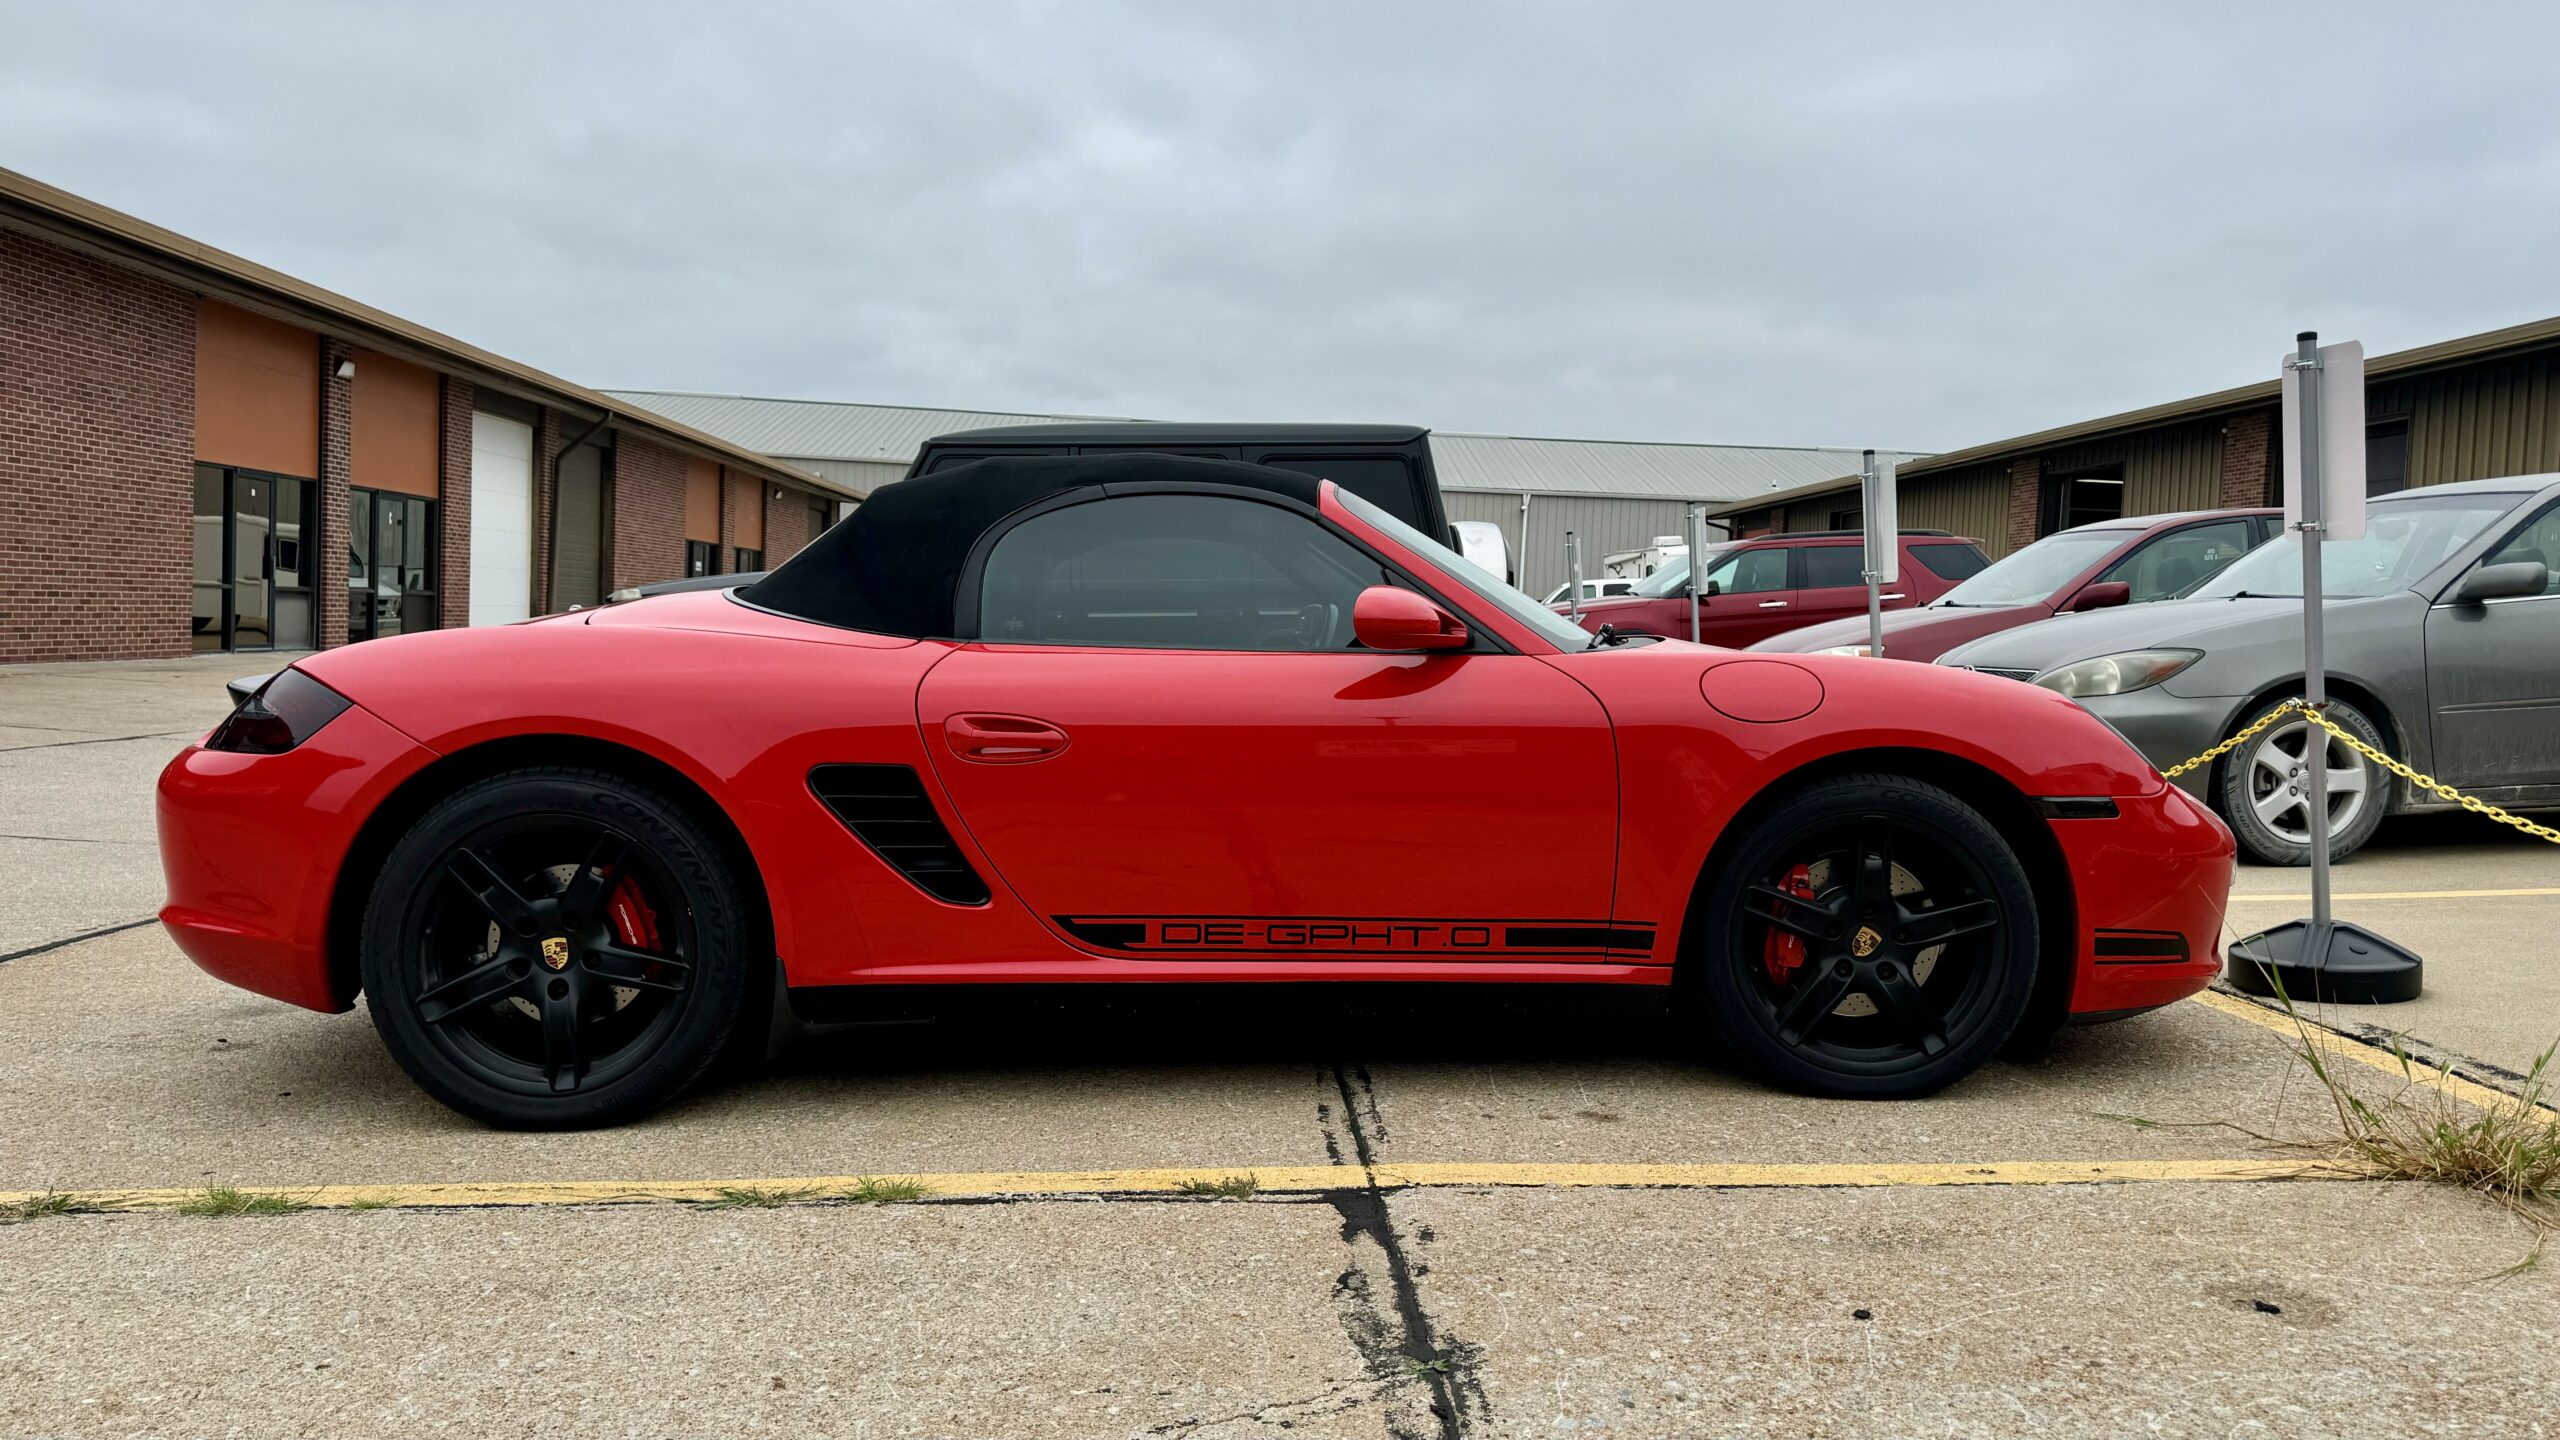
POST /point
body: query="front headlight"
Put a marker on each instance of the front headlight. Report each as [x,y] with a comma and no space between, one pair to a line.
[2116,674]
[1843,650]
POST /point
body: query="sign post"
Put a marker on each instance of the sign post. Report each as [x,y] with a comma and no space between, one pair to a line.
[1884,544]
[2322,958]
[1697,562]
[1573,575]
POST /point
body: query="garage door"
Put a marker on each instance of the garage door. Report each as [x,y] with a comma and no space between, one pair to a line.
[501,520]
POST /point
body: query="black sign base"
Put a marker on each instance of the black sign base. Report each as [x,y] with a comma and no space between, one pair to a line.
[2325,964]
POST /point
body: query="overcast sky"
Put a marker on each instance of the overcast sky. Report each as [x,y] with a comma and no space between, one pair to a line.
[1892,224]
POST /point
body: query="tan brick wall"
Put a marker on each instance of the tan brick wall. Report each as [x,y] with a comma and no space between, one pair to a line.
[2248,459]
[648,513]
[2026,494]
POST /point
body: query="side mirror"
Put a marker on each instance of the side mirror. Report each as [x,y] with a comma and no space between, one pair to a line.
[2105,595]
[1713,590]
[2503,582]
[1395,621]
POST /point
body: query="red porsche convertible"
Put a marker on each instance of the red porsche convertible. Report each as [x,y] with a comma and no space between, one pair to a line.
[1140,718]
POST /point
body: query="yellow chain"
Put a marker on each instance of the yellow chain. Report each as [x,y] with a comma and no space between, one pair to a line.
[2356,743]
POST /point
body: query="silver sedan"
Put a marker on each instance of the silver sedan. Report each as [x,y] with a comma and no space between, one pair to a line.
[2443,635]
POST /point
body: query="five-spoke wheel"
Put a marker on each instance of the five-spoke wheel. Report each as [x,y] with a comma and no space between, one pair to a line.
[555,947]
[2265,793]
[1872,936]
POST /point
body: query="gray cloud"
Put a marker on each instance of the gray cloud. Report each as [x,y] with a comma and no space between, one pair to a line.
[1888,224]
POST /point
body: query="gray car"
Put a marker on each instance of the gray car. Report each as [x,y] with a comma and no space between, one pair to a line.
[2443,634]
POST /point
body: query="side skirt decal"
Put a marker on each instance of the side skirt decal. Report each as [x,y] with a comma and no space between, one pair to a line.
[1356,937]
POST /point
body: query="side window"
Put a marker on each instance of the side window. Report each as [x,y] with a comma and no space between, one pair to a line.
[2169,565]
[1828,565]
[1385,481]
[1950,561]
[2538,540]
[1750,572]
[1173,572]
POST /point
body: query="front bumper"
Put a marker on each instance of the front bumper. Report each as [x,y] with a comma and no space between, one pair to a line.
[2152,884]
[251,846]
[2168,729]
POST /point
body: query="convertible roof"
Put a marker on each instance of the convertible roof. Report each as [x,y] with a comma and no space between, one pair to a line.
[893,566]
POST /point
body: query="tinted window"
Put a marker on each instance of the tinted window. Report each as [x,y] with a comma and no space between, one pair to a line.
[2539,541]
[1749,572]
[2170,564]
[1834,565]
[1182,572]
[1385,481]
[1950,562]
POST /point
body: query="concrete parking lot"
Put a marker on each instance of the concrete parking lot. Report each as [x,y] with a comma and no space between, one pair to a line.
[1481,1214]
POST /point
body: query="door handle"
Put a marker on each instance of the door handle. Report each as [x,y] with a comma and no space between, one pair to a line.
[1773,604]
[1002,739]
[1888,597]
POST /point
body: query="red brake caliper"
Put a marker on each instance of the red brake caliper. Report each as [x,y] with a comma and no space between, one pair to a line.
[1784,950]
[634,923]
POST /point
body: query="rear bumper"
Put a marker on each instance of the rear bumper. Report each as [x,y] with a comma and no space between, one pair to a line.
[2152,884]
[251,847]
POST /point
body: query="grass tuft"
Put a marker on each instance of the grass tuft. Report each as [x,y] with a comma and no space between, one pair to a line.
[1225,1187]
[227,1200]
[757,1197]
[883,1190]
[368,1203]
[51,1202]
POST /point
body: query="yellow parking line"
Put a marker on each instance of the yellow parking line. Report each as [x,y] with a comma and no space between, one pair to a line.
[2237,897]
[2330,1042]
[1268,1180]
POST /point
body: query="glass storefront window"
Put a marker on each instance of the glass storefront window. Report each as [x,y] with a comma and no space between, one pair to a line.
[391,566]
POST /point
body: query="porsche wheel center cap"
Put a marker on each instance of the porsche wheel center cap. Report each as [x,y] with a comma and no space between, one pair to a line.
[555,951]
[1862,945]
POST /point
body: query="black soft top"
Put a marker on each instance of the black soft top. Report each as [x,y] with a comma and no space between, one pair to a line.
[893,566]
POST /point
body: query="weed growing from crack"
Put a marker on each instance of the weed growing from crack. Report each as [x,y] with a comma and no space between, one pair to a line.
[883,1190]
[227,1200]
[1225,1187]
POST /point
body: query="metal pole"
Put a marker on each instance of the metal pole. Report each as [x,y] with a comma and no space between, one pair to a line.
[1520,552]
[1697,562]
[1573,575]
[2315,687]
[1875,587]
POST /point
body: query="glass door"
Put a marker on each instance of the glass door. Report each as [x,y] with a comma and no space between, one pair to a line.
[253,502]
[251,590]
[212,617]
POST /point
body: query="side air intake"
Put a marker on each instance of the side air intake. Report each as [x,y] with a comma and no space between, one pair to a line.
[886,809]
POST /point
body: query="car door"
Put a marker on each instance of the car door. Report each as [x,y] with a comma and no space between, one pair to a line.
[1168,743]
[1753,599]
[1831,584]
[2493,672]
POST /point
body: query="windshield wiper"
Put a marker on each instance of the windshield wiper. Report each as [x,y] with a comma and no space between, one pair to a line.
[1607,634]
[2257,595]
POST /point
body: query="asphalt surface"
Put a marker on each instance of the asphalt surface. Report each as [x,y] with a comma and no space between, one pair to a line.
[1389,1304]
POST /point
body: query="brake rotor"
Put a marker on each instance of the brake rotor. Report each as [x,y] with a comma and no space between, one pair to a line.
[1784,953]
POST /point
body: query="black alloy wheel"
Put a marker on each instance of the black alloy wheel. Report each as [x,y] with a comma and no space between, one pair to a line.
[555,948]
[1873,937]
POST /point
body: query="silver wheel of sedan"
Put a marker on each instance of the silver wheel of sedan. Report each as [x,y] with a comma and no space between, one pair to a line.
[2265,792]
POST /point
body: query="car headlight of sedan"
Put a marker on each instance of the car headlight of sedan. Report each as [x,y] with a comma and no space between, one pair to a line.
[1844,650]
[2117,674]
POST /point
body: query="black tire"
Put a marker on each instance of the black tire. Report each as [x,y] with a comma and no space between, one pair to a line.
[1918,1009]
[2256,791]
[605,974]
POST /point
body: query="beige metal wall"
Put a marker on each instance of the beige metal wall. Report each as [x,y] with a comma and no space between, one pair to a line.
[2175,467]
[2477,423]
[1602,523]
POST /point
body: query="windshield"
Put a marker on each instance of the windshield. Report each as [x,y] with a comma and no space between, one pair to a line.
[2403,540]
[1557,630]
[2033,574]
[1673,578]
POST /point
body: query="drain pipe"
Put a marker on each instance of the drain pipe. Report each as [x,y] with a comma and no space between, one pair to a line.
[551,536]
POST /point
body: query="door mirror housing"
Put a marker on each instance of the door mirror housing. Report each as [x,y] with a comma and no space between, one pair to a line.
[2503,582]
[1399,621]
[1713,590]
[2105,595]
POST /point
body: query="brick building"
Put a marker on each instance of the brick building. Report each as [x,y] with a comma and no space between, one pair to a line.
[2470,409]
[199,453]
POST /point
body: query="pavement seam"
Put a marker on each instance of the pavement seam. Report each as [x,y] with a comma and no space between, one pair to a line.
[101,740]
[1456,1396]
[2373,1046]
[76,939]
